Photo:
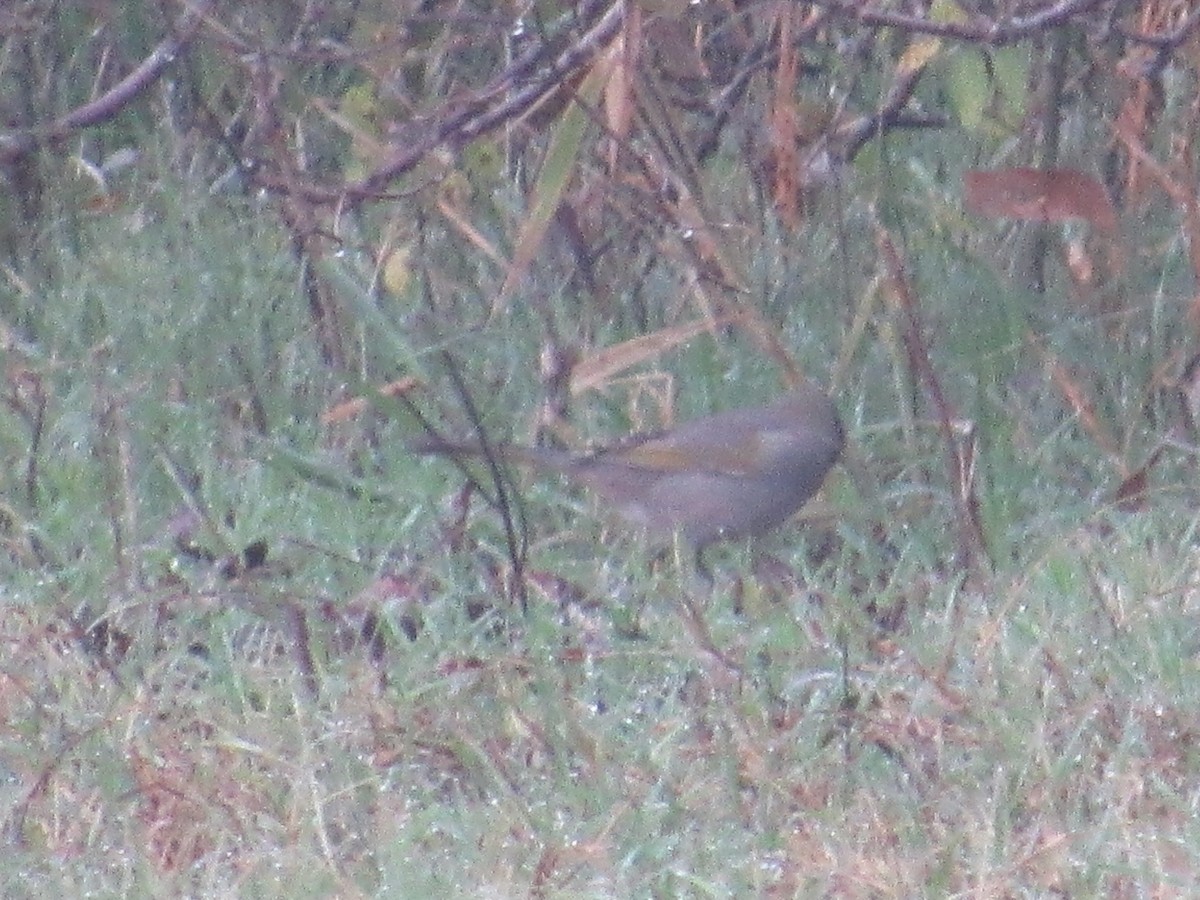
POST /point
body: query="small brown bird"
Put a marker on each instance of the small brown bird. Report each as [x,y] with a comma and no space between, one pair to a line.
[733,474]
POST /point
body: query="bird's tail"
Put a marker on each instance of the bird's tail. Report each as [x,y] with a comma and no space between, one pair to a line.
[535,457]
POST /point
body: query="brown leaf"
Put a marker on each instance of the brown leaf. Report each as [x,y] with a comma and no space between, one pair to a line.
[619,101]
[598,368]
[784,128]
[1131,494]
[1039,195]
[349,409]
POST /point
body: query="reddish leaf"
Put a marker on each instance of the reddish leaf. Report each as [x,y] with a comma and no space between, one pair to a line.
[1131,494]
[1039,195]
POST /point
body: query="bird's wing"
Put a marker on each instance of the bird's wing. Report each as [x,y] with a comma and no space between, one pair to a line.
[708,454]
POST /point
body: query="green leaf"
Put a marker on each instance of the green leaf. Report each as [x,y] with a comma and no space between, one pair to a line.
[1010,69]
[969,87]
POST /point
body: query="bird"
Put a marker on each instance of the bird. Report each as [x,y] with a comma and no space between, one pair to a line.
[733,474]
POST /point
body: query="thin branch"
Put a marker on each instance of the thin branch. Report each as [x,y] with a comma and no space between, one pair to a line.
[496,104]
[960,463]
[979,30]
[23,141]
[853,137]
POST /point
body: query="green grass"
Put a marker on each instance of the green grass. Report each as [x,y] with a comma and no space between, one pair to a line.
[860,721]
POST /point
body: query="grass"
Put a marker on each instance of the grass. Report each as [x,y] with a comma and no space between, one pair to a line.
[857,720]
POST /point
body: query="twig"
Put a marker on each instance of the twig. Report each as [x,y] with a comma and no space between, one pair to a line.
[972,545]
[23,141]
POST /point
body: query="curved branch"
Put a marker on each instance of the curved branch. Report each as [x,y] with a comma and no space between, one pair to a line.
[980,30]
[462,120]
[23,141]
[851,138]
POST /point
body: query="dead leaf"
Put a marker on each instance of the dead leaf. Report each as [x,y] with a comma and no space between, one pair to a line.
[599,368]
[1039,195]
[348,409]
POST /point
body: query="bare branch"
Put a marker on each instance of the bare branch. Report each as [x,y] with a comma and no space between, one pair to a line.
[465,119]
[851,138]
[980,30]
[19,142]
